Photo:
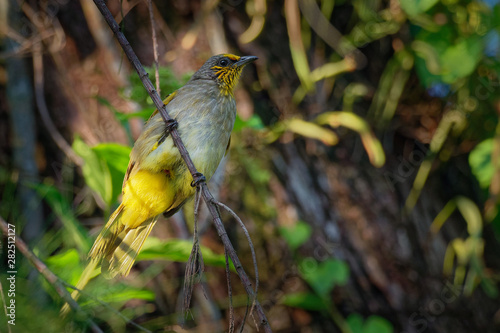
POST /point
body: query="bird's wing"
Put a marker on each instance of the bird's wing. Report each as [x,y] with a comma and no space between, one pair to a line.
[167,100]
[134,162]
[228,144]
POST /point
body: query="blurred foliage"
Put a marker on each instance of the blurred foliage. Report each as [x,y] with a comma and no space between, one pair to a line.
[168,84]
[322,278]
[315,130]
[73,234]
[373,324]
[480,160]
[466,252]
[296,235]
[104,168]
[178,250]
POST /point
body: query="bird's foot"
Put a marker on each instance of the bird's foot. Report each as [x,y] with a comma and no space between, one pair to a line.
[198,178]
[170,125]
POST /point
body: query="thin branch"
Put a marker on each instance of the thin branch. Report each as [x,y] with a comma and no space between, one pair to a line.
[247,234]
[51,278]
[203,296]
[42,106]
[207,196]
[195,265]
[230,295]
[245,280]
[254,259]
[155,46]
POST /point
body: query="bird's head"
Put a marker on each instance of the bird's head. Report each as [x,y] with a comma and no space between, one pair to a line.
[224,69]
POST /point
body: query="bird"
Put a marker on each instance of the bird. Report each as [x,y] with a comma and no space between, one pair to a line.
[157,180]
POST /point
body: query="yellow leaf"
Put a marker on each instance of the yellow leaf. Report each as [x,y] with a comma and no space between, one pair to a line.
[312,130]
[352,121]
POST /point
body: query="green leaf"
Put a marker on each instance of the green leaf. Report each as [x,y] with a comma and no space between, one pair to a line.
[461,59]
[253,122]
[114,293]
[306,301]
[324,276]
[417,7]
[128,294]
[95,171]
[296,235]
[104,168]
[481,163]
[178,250]
[376,324]
[441,58]
[116,157]
[355,322]
[427,47]
[66,265]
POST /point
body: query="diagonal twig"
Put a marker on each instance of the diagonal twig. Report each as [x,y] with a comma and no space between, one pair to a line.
[194,266]
[230,295]
[207,196]
[42,107]
[254,259]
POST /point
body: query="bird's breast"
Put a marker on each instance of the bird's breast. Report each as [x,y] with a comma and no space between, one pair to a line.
[207,134]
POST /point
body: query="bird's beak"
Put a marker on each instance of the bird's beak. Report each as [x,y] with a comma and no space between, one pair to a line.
[245,60]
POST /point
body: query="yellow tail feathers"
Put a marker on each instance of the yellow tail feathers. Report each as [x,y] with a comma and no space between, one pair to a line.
[117,246]
[108,236]
[126,247]
[116,249]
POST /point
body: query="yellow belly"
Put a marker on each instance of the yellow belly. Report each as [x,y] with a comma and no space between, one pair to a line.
[145,195]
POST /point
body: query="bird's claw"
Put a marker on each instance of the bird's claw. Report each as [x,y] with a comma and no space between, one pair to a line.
[170,125]
[198,178]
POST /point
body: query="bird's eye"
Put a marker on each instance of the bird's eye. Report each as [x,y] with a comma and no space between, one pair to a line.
[223,62]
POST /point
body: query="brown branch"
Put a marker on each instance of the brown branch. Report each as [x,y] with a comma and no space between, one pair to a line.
[254,258]
[195,265]
[207,196]
[230,295]
[51,278]
[42,107]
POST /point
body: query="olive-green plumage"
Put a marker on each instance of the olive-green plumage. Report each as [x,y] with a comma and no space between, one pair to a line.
[157,179]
